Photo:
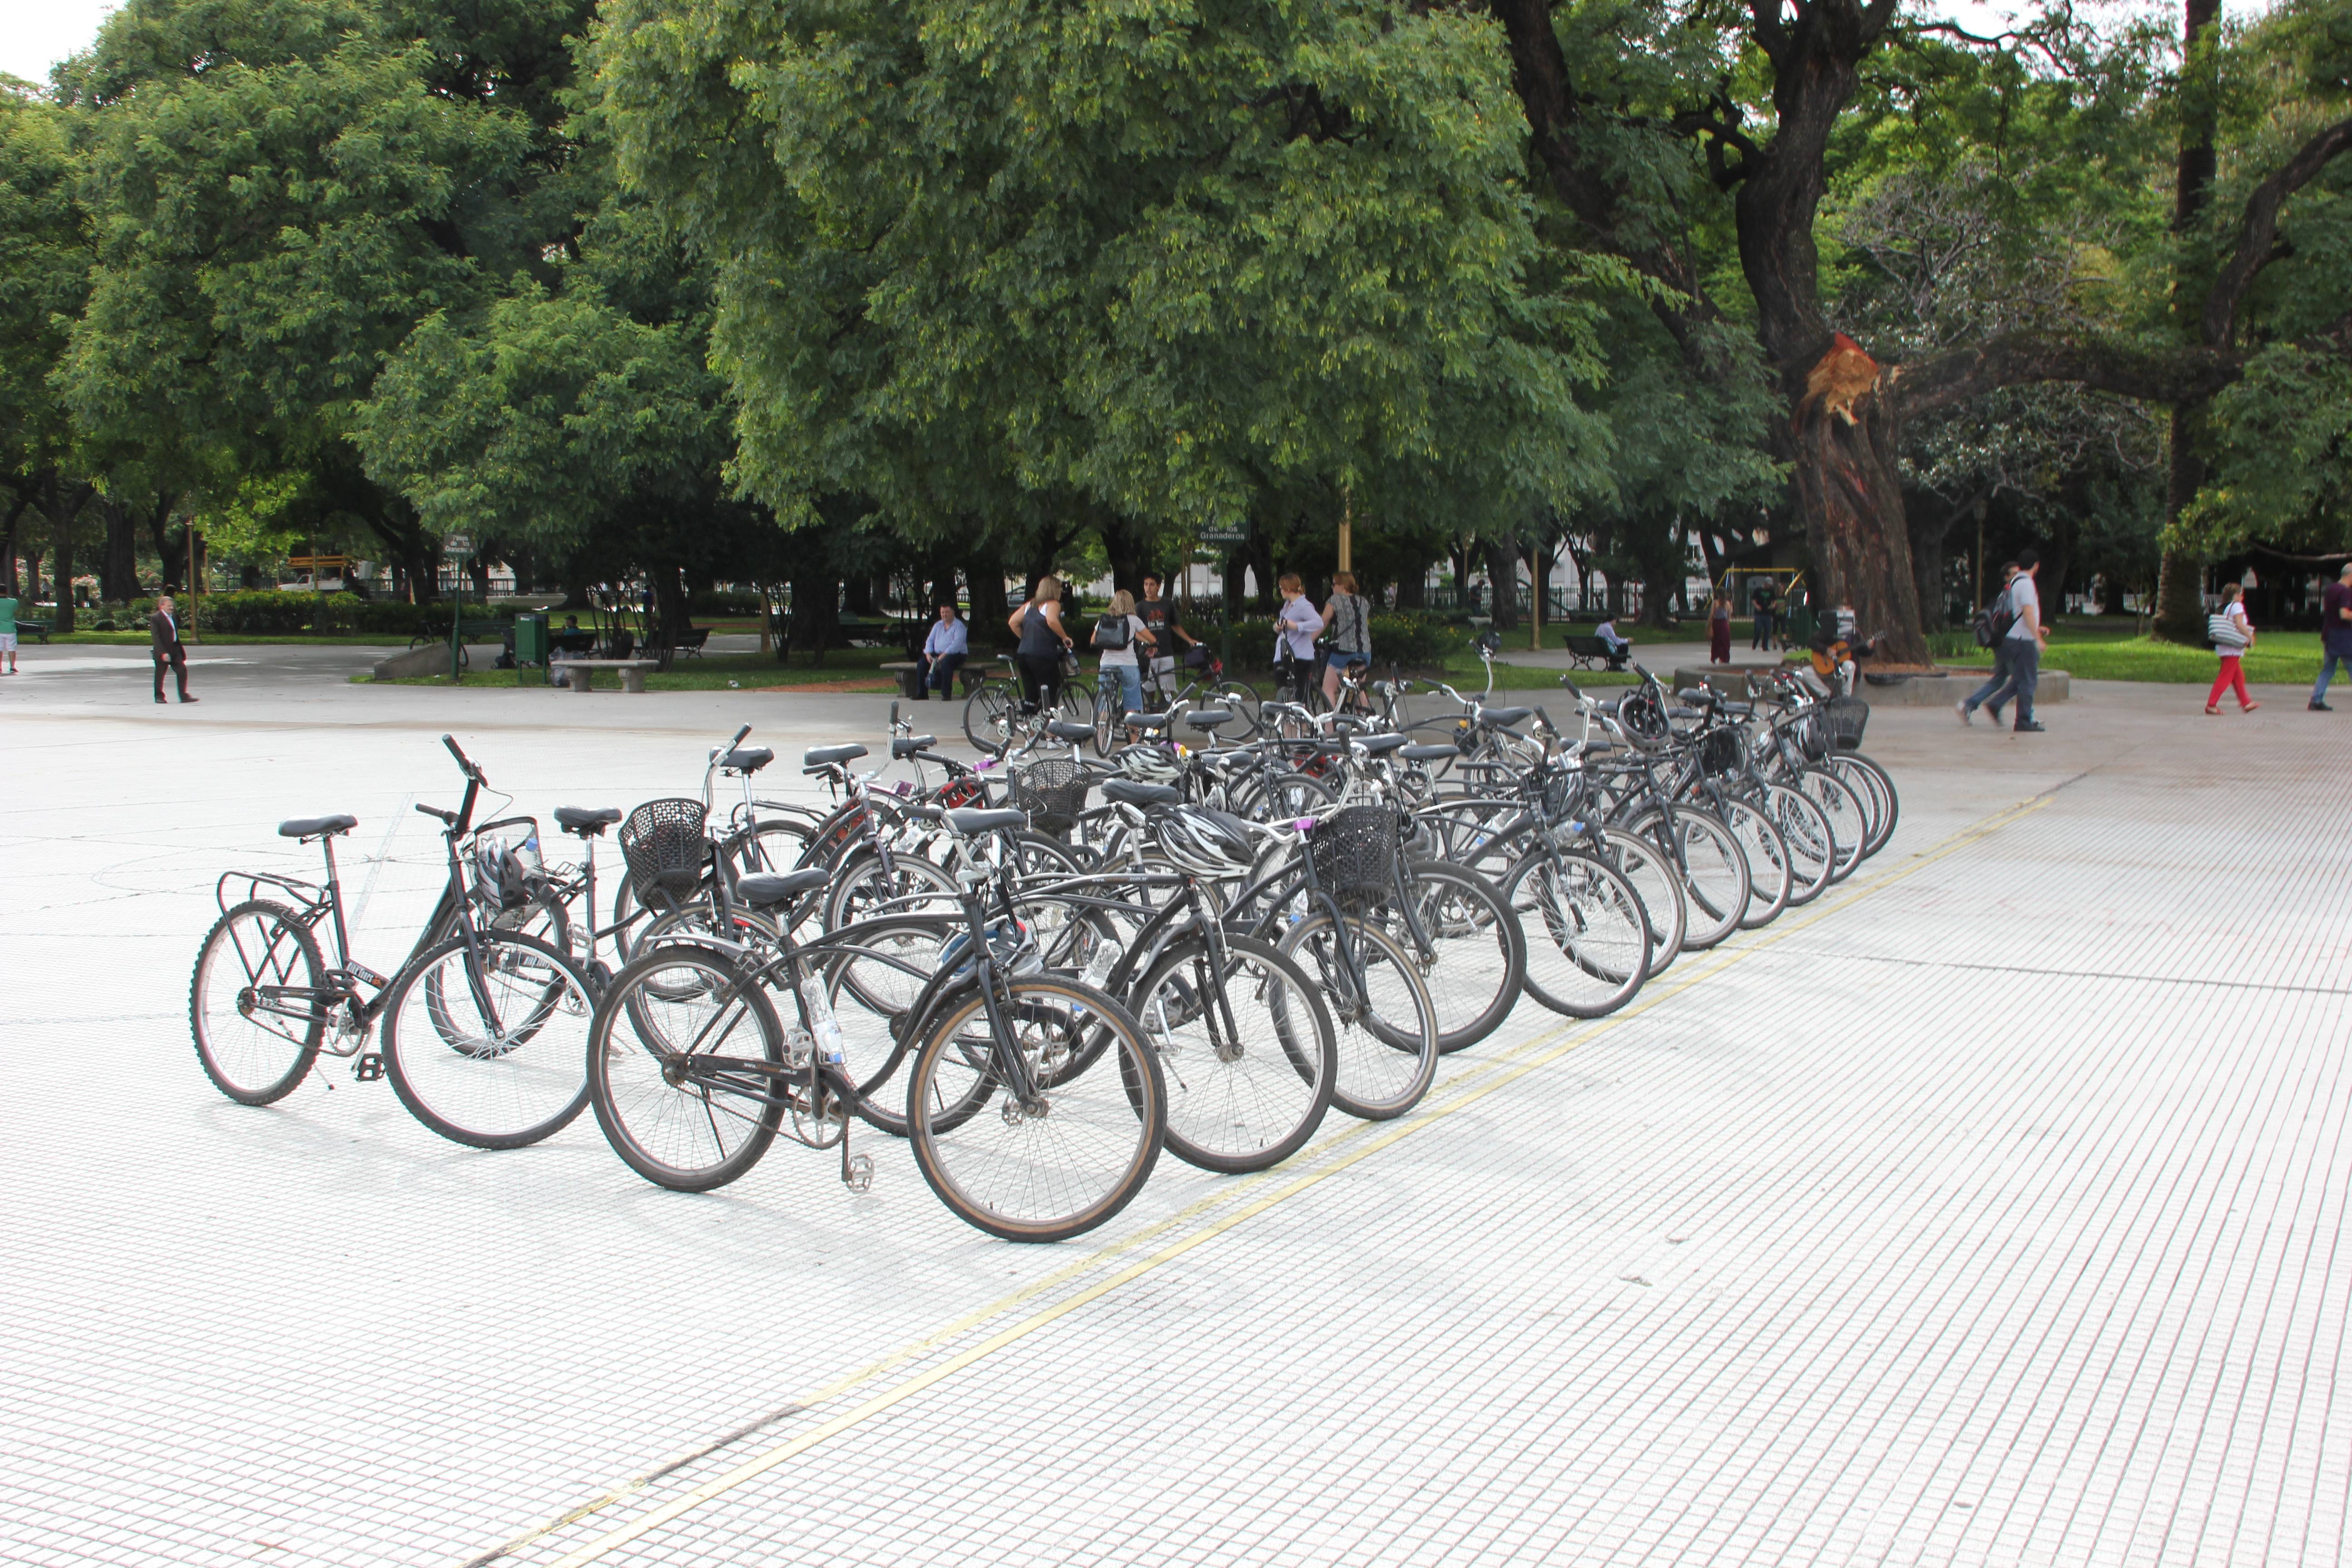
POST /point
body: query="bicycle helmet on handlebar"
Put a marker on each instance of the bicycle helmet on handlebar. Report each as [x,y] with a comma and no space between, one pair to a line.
[1203,842]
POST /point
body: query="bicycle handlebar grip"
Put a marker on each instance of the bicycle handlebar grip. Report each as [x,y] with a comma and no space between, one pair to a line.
[448,816]
[739,737]
[465,762]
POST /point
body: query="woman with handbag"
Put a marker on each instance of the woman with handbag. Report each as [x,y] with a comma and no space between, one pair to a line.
[1118,636]
[2233,634]
[1042,644]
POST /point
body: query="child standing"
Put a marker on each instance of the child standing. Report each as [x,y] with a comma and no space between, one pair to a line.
[2233,634]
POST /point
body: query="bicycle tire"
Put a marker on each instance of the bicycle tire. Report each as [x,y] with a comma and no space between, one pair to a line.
[1588,949]
[1474,978]
[1812,853]
[1116,1101]
[875,973]
[1659,891]
[254,1063]
[495,1082]
[1769,872]
[1387,1030]
[1848,818]
[672,1133]
[1238,1101]
[1875,786]
[988,717]
[1239,697]
[1713,870]
[860,889]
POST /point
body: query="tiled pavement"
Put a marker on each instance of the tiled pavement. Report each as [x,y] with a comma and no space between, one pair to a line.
[1984,1212]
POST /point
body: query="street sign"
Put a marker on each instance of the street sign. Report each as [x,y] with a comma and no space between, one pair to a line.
[1225,535]
[457,546]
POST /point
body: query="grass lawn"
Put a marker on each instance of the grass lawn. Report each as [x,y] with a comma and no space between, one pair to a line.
[222,639]
[2104,648]
[846,669]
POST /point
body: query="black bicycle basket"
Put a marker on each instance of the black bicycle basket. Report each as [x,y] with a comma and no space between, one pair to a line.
[1845,719]
[663,843]
[1053,793]
[1355,849]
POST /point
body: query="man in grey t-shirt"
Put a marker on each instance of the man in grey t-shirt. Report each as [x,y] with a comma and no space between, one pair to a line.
[2027,636]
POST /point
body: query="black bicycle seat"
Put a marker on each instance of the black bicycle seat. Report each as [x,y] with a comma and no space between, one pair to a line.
[766,889]
[316,826]
[747,759]
[1135,792]
[587,821]
[1427,754]
[1381,745]
[823,756]
[1154,722]
[1207,719]
[908,745]
[969,820]
[1503,718]
[1063,730]
[1737,710]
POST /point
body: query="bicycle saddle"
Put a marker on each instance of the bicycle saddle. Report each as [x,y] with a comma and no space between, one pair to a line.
[316,826]
[1737,710]
[1206,718]
[908,745]
[1135,792]
[1379,745]
[587,821]
[747,759]
[1154,722]
[825,756]
[766,889]
[968,820]
[1427,754]
[1063,730]
[1503,718]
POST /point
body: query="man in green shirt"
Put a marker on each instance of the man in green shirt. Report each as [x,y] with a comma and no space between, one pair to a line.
[8,633]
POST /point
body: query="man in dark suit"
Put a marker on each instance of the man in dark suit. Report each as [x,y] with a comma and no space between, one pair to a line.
[164,628]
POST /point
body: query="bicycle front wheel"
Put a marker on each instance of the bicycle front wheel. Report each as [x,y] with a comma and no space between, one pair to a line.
[252,1003]
[1716,880]
[1076,1150]
[486,1043]
[1478,951]
[683,1059]
[988,716]
[1387,1025]
[1589,941]
[1767,853]
[1247,1050]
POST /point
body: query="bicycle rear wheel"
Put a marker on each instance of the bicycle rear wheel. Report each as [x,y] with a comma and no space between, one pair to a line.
[1848,818]
[1812,852]
[675,1058]
[1386,1023]
[257,959]
[1767,853]
[988,716]
[1247,1051]
[1875,788]
[1479,951]
[1713,872]
[490,1051]
[1073,1154]
[1588,945]
[873,974]
[1659,888]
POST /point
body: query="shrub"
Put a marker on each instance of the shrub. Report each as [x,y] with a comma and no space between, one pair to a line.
[730,602]
[268,612]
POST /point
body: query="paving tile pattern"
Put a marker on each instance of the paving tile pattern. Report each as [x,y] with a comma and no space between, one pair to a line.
[1987,1214]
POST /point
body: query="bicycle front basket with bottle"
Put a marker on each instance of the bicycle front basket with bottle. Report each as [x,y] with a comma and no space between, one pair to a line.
[1843,718]
[1355,849]
[662,841]
[505,862]
[1053,793]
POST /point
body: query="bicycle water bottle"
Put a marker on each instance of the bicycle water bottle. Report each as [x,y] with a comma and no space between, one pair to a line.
[830,1041]
[1104,958]
[528,853]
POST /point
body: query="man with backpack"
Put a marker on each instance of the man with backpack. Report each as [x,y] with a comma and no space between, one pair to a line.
[2022,643]
[2334,635]
[1991,628]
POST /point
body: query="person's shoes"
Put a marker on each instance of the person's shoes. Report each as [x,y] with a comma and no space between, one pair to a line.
[1962,709]
[1996,714]
[2027,729]
[2248,706]
[159,699]
[2315,705]
[2213,709]
[189,700]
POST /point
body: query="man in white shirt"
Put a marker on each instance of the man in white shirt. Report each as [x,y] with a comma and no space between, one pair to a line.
[945,650]
[2027,637]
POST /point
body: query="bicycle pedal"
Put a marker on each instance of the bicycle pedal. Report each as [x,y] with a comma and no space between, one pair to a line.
[369,1068]
[857,1172]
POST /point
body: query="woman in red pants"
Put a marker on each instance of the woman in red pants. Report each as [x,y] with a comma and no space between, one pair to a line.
[1719,630]
[2232,636]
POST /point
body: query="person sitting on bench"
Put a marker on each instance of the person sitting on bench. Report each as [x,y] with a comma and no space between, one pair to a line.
[944,650]
[1619,648]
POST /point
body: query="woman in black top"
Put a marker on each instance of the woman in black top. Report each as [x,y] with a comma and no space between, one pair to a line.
[1043,643]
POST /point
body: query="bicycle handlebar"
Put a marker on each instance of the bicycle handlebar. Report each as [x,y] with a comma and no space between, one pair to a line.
[473,770]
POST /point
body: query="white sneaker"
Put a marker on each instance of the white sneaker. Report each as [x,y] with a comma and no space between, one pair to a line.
[1962,709]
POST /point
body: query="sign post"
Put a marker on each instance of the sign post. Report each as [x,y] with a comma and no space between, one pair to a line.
[458,547]
[1224,536]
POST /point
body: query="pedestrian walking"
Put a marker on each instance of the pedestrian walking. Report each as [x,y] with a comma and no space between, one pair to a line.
[8,632]
[1764,601]
[1350,617]
[1718,628]
[163,634]
[1997,617]
[2024,640]
[1038,657]
[1122,637]
[2233,634]
[2334,635]
[945,650]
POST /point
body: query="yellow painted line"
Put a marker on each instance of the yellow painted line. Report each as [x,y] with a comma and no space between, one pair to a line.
[1358,1143]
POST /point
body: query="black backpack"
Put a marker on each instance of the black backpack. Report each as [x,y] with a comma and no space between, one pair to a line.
[1992,622]
[1112,633]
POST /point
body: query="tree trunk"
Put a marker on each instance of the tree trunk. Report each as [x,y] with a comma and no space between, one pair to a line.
[1503,580]
[63,503]
[1849,494]
[672,614]
[1930,529]
[8,587]
[983,580]
[1124,541]
[118,568]
[2180,579]
[816,613]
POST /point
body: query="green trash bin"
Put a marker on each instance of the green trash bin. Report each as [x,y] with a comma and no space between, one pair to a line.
[531,650]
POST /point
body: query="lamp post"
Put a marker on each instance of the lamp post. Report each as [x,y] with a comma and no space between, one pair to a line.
[458,547]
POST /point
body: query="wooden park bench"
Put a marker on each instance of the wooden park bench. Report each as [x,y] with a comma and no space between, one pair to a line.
[692,641]
[37,630]
[580,673]
[1589,652]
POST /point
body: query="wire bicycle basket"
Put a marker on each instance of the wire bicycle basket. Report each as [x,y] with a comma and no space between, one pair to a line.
[1719,752]
[663,844]
[1845,719]
[1053,793]
[1354,850]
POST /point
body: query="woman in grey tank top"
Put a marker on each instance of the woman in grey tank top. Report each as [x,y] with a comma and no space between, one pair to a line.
[1043,643]
[1348,618]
